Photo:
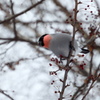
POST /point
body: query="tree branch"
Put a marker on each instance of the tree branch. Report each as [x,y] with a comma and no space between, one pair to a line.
[16,15]
[14,22]
[91,65]
[90,87]
[78,90]
[69,56]
[19,39]
[1,91]
[63,9]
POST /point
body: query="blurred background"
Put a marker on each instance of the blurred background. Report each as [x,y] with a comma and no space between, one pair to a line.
[25,67]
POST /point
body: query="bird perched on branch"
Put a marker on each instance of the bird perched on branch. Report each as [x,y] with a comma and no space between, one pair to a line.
[59,44]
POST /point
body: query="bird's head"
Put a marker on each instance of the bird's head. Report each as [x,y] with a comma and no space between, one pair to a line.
[44,40]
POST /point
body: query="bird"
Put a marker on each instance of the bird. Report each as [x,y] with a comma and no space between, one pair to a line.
[60,44]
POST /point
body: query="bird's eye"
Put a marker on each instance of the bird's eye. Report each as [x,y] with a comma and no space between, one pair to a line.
[41,40]
[40,43]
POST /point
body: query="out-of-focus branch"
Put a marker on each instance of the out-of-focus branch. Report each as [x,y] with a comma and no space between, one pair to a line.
[91,40]
[14,22]
[96,72]
[83,87]
[78,91]
[63,9]
[7,48]
[98,7]
[91,86]
[5,42]
[2,92]
[22,39]
[16,15]
[91,64]
[75,21]
[40,21]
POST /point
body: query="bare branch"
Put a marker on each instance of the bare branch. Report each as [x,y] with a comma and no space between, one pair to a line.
[70,53]
[91,65]
[20,39]
[7,48]
[14,22]
[78,90]
[16,15]
[4,42]
[63,9]
[91,86]
[2,92]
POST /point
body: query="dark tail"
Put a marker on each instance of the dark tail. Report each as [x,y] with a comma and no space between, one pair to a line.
[85,51]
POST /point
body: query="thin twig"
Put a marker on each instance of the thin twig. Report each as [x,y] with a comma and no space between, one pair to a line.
[78,90]
[20,39]
[91,86]
[97,70]
[4,42]
[63,9]
[14,22]
[91,65]
[70,53]
[83,87]
[88,90]
[75,21]
[8,48]
[16,15]
[1,91]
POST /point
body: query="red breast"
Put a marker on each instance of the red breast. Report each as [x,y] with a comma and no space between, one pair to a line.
[46,40]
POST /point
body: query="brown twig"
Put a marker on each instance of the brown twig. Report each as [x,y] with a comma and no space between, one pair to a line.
[1,91]
[65,77]
[91,65]
[6,42]
[20,39]
[83,87]
[97,70]
[63,9]
[77,92]
[70,53]
[7,48]
[16,15]
[14,22]
[91,86]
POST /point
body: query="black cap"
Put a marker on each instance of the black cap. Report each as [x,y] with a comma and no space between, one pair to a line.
[41,40]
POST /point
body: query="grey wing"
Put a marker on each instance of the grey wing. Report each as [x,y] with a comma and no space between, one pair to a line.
[60,44]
